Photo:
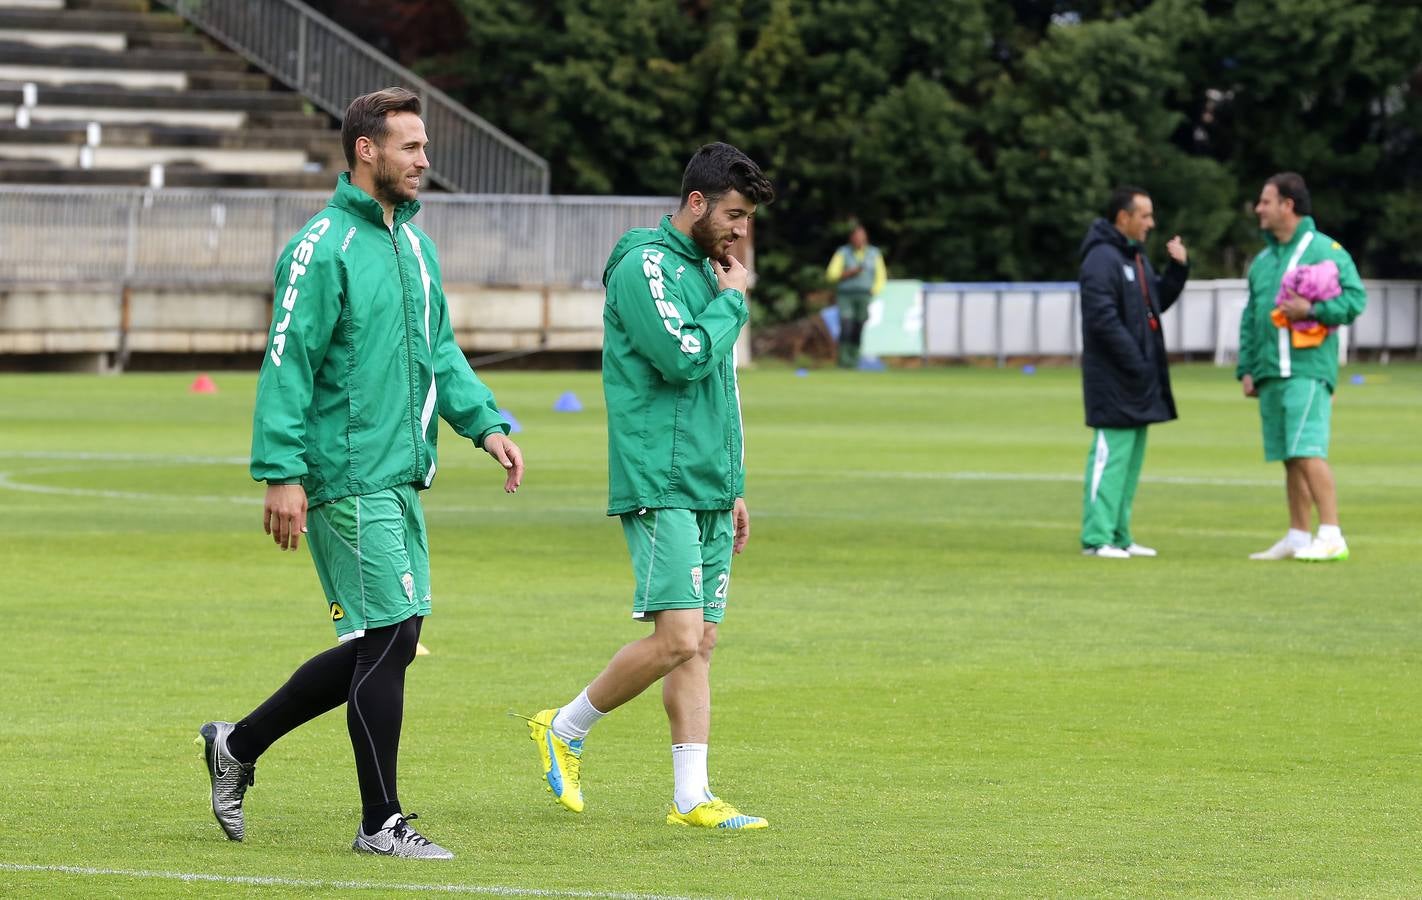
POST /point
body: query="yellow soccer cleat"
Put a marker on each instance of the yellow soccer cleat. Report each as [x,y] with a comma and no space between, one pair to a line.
[715,813]
[561,760]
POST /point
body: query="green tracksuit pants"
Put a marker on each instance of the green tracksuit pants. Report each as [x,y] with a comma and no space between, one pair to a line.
[853,311]
[1113,467]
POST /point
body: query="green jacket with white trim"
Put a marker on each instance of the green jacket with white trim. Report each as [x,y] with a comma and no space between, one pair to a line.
[360,357]
[1265,349]
[669,376]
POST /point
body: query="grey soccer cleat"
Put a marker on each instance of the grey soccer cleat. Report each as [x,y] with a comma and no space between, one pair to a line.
[399,840]
[230,778]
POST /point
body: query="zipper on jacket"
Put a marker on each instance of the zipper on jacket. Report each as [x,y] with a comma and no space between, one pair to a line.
[418,439]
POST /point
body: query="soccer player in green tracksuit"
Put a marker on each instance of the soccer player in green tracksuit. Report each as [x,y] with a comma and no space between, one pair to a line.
[1125,376]
[1295,383]
[676,301]
[361,358]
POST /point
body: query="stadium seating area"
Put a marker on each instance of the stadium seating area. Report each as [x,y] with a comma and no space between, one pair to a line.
[113,92]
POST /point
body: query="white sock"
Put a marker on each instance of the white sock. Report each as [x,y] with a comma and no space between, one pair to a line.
[577,718]
[1330,533]
[693,787]
[1298,539]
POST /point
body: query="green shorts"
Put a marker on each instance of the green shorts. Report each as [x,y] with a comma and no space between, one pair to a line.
[372,557]
[681,559]
[1294,413]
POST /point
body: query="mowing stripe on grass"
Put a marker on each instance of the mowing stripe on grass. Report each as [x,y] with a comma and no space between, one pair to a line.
[276,881]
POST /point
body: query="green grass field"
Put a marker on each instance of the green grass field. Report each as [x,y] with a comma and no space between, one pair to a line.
[920,682]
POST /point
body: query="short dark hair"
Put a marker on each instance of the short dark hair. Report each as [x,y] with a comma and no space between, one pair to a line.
[367,117]
[1123,199]
[716,169]
[1290,186]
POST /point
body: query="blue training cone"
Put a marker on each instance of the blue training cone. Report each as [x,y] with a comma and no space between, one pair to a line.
[1357,379]
[568,402]
[514,427]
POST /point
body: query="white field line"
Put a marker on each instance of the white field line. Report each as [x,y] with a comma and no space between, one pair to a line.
[7,482]
[277,881]
[763,473]
[56,456]
[1049,477]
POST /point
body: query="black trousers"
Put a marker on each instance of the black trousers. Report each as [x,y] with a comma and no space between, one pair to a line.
[368,675]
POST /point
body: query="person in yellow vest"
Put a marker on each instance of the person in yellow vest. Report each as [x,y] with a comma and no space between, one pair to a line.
[858,272]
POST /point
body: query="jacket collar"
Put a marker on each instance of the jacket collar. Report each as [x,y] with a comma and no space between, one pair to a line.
[681,243]
[356,201]
[1305,226]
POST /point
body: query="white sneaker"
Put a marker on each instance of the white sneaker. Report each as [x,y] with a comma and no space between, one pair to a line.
[1323,551]
[1106,551]
[1280,550]
[1138,550]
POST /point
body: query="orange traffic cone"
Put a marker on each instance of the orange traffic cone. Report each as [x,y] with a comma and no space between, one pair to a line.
[203,385]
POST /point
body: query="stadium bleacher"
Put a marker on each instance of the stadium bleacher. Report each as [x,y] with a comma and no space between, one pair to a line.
[104,91]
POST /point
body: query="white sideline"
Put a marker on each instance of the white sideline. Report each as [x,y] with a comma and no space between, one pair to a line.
[785,473]
[278,881]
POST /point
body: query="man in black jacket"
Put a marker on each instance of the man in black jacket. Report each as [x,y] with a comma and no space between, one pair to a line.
[1125,379]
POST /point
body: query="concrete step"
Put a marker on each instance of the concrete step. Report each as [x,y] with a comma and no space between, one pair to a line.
[87,20]
[110,5]
[173,176]
[82,115]
[16,54]
[118,98]
[210,159]
[322,145]
[108,41]
[135,78]
[165,41]
[54,76]
[293,120]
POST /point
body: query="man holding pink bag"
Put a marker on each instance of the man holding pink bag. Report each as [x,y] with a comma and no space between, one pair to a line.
[1302,286]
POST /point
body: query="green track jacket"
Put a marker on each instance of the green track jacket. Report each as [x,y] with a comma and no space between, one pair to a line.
[669,376]
[1265,350]
[360,356]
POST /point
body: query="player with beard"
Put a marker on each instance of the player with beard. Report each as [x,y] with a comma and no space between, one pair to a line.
[676,301]
[361,357]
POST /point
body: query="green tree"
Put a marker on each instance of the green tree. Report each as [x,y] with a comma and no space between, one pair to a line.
[976,139]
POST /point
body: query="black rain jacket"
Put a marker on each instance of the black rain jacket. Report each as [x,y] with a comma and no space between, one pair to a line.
[1125,379]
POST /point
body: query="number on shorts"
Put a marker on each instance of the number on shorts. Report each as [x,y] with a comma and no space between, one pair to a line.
[723,581]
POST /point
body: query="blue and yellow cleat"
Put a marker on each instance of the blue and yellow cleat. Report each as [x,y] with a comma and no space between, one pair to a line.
[561,760]
[715,813]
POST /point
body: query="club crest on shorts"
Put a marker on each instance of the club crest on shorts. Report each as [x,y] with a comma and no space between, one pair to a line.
[408,581]
[696,580]
[337,614]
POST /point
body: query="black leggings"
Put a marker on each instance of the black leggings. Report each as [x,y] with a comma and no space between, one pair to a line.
[368,675]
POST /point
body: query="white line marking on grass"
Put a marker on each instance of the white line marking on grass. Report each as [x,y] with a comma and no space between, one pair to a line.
[1049,477]
[7,482]
[276,881]
[53,455]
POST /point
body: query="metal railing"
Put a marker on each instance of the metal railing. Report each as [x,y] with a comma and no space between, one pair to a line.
[331,66]
[176,236]
[1033,320]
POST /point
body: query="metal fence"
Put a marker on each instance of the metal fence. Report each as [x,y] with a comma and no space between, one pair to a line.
[331,66]
[174,236]
[1034,320]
